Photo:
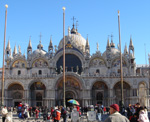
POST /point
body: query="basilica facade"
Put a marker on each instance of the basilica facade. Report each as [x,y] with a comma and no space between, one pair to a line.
[37,78]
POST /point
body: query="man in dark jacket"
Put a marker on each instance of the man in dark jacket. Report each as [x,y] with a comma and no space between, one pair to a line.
[115,116]
[64,115]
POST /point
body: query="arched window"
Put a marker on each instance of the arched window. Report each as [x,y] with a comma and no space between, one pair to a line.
[19,72]
[97,71]
[73,63]
[40,72]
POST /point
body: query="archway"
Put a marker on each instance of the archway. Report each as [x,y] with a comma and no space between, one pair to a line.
[126,93]
[99,97]
[15,94]
[142,94]
[37,93]
[99,93]
[72,90]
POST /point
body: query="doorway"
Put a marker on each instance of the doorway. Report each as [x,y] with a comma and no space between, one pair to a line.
[69,95]
[16,103]
[38,104]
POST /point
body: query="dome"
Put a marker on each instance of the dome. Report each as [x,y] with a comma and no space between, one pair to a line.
[113,51]
[75,39]
[38,51]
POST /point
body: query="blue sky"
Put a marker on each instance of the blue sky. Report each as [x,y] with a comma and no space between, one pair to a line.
[97,18]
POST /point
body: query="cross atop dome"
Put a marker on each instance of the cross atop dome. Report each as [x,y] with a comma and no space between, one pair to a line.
[73,30]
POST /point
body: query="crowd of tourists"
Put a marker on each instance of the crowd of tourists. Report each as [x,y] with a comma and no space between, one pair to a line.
[133,113]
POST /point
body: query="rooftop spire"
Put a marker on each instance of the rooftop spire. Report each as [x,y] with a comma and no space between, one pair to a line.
[30,45]
[108,44]
[15,51]
[131,44]
[40,38]
[19,49]
[112,44]
[8,44]
[51,41]
[125,49]
[68,30]
[77,25]
[97,46]
[87,41]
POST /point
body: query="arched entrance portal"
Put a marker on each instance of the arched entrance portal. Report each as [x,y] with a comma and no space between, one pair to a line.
[37,93]
[15,94]
[100,93]
[142,94]
[73,90]
[126,93]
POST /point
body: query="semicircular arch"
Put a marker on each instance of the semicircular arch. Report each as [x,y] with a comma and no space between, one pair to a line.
[126,85]
[71,52]
[13,83]
[39,62]
[19,63]
[70,75]
[144,83]
[36,80]
[116,61]
[97,61]
[99,81]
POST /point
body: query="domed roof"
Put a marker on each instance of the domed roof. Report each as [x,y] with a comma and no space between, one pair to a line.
[38,51]
[75,39]
[113,51]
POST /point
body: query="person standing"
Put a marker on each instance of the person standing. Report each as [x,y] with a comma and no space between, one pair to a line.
[36,113]
[64,115]
[115,116]
[58,115]
[99,113]
[143,115]
[4,113]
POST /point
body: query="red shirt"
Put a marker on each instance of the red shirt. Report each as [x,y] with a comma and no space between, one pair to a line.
[58,115]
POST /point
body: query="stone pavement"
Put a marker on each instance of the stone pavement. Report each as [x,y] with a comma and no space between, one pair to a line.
[31,119]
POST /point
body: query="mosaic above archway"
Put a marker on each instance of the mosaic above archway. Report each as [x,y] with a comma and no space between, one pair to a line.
[40,63]
[125,85]
[37,86]
[15,87]
[117,63]
[70,83]
[99,85]
[19,64]
[97,62]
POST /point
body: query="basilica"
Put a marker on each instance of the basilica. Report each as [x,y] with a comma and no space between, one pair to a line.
[37,78]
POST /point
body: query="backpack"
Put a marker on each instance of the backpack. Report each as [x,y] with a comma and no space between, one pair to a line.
[54,113]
